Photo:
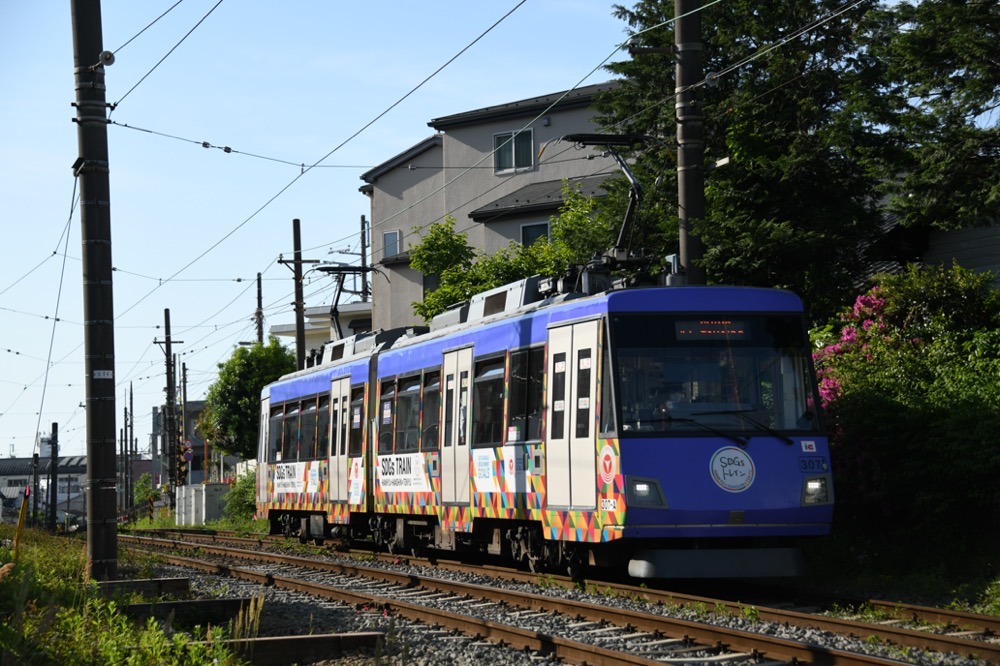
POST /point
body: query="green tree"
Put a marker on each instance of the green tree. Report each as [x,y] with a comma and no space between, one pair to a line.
[241,501]
[939,101]
[794,206]
[911,380]
[232,406]
[584,226]
[143,490]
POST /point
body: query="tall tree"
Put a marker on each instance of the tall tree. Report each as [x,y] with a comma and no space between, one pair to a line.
[577,232]
[232,407]
[794,206]
[939,103]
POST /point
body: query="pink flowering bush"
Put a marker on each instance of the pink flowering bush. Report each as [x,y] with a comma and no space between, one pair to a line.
[909,378]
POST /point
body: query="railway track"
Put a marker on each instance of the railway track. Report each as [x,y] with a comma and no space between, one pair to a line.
[904,615]
[590,630]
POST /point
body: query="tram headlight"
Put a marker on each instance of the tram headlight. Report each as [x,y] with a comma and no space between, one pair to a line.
[645,492]
[816,490]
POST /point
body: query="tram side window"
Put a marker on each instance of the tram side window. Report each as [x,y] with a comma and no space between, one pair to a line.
[430,412]
[558,396]
[463,407]
[307,430]
[357,420]
[524,420]
[344,420]
[323,428]
[290,436]
[274,436]
[385,410]
[449,407]
[487,403]
[408,415]
[608,422]
[584,364]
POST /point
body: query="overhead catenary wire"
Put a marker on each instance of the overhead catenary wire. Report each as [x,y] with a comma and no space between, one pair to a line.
[55,320]
[322,159]
[148,26]
[167,55]
[351,235]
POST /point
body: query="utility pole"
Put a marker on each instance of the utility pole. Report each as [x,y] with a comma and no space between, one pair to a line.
[170,412]
[34,473]
[54,478]
[122,433]
[300,325]
[184,417]
[690,136]
[364,260]
[300,306]
[130,448]
[259,316]
[91,168]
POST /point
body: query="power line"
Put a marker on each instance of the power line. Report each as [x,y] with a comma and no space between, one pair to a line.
[172,7]
[322,159]
[228,150]
[160,62]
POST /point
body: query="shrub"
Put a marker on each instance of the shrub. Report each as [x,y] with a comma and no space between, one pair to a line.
[910,378]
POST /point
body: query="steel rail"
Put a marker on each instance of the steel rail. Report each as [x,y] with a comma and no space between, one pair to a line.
[922,640]
[702,633]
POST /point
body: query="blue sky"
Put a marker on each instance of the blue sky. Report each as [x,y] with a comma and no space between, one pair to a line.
[192,226]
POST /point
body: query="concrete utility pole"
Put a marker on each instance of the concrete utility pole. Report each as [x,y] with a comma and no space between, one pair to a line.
[34,489]
[364,260]
[54,478]
[130,448]
[259,316]
[300,306]
[170,412]
[690,136]
[91,167]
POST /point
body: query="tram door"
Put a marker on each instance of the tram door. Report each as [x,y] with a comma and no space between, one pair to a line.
[571,467]
[262,453]
[457,385]
[340,405]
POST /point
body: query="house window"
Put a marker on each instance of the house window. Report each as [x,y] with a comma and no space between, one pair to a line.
[532,232]
[512,150]
[431,283]
[390,243]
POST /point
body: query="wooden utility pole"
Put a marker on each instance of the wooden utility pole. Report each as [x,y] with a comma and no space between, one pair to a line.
[91,168]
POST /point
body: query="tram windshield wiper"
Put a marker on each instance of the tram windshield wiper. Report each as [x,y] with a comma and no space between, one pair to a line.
[742,441]
[743,415]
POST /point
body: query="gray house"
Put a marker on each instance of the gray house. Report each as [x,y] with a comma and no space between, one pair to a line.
[497,170]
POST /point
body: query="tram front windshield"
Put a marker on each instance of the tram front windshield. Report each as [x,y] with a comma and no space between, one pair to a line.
[681,373]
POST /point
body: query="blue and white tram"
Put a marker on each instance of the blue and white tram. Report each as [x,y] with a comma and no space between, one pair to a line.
[673,431]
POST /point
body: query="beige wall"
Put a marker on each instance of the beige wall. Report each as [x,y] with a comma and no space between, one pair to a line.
[460,178]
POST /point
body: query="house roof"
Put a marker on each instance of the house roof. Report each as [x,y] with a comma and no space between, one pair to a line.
[404,157]
[537,197]
[561,100]
[22,466]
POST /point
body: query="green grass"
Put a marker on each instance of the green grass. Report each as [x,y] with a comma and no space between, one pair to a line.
[51,613]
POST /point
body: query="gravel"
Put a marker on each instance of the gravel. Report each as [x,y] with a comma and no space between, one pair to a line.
[293,613]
